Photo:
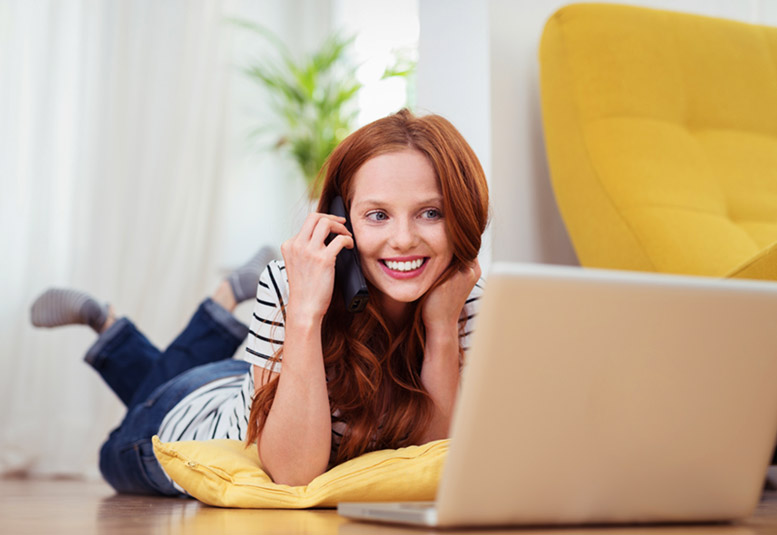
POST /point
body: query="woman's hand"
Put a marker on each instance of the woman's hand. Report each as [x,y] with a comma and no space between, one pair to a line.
[310,263]
[444,304]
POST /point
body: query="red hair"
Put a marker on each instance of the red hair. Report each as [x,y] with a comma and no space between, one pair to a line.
[373,367]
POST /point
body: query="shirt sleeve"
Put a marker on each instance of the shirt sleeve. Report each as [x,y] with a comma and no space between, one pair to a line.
[266,331]
[467,320]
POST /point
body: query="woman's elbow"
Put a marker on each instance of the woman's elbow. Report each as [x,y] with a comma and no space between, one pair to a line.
[294,479]
[292,472]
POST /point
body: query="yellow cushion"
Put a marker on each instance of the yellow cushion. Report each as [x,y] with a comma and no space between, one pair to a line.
[661,135]
[227,474]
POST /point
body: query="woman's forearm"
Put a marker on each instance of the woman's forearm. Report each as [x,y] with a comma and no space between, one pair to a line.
[296,439]
[440,376]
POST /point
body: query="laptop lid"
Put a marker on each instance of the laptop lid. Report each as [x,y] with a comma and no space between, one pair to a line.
[593,396]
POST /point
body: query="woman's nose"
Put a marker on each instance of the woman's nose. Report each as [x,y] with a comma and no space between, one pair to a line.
[404,236]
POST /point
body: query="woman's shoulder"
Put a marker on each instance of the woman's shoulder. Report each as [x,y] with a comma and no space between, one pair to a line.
[471,305]
[276,266]
[266,332]
[477,290]
[274,278]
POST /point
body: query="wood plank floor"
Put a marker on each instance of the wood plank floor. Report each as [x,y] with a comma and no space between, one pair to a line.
[33,506]
[38,506]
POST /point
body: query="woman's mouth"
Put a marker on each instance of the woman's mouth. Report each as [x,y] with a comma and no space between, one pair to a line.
[404,268]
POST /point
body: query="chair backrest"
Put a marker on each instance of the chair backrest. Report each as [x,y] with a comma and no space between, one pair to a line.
[661,134]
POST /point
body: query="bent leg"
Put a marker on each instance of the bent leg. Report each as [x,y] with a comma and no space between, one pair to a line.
[133,367]
[122,356]
[213,334]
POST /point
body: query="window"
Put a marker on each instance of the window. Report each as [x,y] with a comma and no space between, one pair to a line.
[386,32]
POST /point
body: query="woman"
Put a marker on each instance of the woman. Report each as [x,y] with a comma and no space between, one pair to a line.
[325,385]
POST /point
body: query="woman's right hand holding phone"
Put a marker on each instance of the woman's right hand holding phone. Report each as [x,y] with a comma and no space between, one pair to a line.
[310,263]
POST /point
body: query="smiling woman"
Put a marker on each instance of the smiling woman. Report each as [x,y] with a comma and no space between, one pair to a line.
[387,377]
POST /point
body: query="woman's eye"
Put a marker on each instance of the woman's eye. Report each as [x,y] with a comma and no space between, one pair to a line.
[432,213]
[377,216]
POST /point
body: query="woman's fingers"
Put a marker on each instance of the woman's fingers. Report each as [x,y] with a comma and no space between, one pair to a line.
[310,262]
[339,242]
[313,220]
[313,239]
[326,227]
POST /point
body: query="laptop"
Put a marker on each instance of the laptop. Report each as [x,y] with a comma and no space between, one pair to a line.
[597,397]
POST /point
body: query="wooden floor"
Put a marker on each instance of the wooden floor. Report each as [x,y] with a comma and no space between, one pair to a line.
[83,508]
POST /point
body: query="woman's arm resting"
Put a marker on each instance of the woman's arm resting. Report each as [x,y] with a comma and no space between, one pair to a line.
[440,371]
[440,376]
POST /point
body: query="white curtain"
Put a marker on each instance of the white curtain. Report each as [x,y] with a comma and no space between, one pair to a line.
[111,156]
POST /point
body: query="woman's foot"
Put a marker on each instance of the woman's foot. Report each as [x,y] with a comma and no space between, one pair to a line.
[58,306]
[244,280]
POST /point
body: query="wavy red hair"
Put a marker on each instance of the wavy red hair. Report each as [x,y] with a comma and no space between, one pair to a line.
[374,367]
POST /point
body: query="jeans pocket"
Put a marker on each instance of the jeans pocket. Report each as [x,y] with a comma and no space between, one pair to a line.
[151,478]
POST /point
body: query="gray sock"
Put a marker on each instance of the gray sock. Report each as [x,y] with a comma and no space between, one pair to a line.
[245,278]
[57,306]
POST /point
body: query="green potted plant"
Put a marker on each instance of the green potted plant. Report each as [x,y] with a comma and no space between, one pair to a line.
[312,98]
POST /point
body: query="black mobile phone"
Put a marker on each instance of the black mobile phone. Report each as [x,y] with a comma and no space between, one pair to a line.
[348,269]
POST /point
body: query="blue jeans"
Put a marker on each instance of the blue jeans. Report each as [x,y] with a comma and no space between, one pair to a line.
[151,382]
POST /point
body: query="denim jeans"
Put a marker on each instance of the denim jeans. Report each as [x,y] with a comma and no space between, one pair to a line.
[151,382]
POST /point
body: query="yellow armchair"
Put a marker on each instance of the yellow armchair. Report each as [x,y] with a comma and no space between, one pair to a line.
[661,136]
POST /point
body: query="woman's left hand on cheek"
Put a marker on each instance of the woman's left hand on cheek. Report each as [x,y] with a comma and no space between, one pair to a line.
[444,304]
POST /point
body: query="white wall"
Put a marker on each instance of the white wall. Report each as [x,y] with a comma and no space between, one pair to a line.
[453,75]
[478,67]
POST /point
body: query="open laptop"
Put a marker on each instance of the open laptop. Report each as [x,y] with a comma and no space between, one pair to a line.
[594,396]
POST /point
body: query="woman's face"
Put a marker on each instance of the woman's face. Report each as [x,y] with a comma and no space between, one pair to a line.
[397,218]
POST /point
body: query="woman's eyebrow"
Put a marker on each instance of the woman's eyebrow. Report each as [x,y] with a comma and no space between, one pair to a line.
[368,202]
[378,202]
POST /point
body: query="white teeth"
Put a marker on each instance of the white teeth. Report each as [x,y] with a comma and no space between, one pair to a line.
[404,266]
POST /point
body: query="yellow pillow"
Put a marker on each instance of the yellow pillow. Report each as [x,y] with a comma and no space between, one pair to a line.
[227,474]
[763,266]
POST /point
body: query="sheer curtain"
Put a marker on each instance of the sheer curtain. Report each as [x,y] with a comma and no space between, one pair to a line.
[111,156]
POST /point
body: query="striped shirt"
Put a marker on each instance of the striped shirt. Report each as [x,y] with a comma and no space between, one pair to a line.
[220,408]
